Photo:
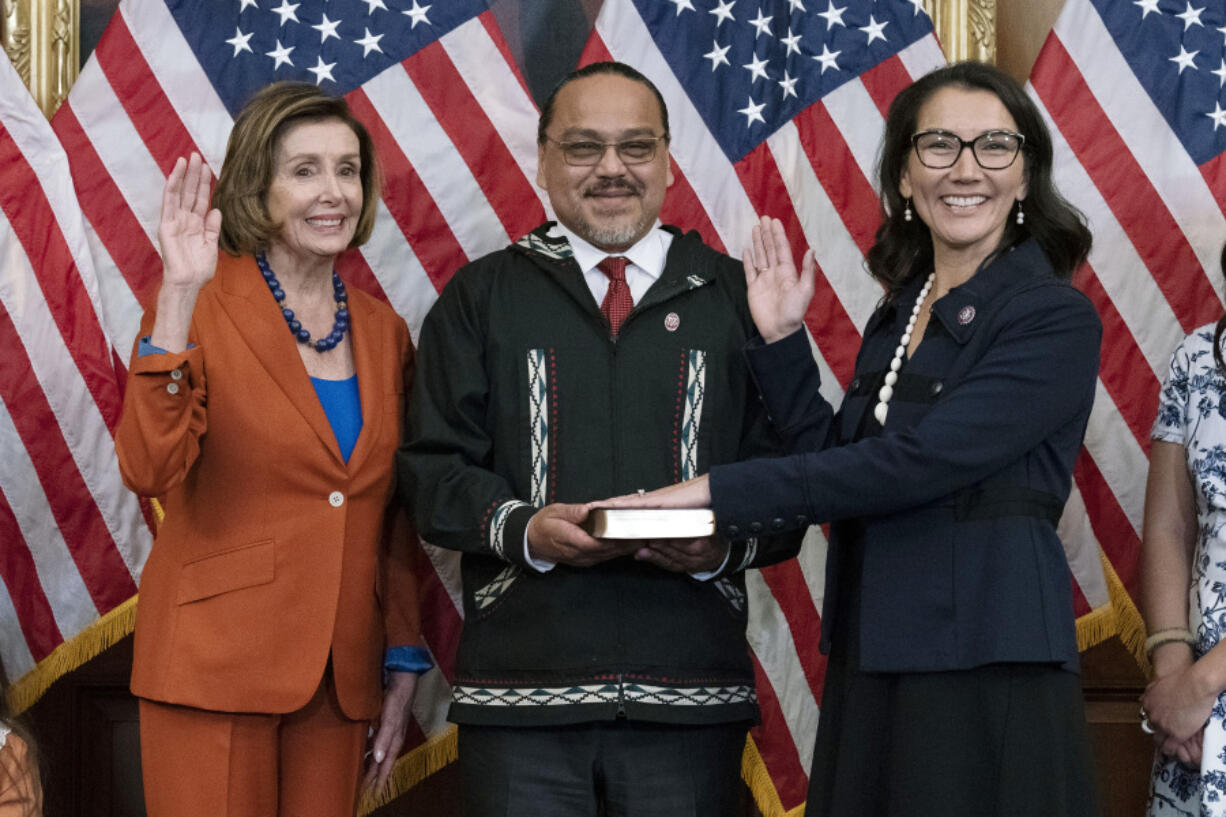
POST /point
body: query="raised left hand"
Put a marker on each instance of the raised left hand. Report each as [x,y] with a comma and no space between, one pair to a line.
[390,729]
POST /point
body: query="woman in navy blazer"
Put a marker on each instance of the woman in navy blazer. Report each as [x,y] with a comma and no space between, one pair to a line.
[951,687]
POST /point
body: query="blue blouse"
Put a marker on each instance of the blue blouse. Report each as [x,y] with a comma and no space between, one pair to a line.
[344,409]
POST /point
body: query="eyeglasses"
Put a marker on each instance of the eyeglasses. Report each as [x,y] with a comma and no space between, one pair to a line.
[637,151]
[993,149]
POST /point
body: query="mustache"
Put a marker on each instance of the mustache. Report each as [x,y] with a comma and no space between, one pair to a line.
[613,186]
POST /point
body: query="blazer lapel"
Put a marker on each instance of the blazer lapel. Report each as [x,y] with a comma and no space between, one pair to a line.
[364,335]
[259,322]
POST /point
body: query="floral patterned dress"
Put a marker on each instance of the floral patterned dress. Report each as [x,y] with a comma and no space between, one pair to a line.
[1192,412]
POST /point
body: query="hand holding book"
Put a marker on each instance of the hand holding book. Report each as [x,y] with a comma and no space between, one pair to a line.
[675,524]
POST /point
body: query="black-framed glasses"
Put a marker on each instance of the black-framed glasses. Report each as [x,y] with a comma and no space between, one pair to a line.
[586,152]
[993,149]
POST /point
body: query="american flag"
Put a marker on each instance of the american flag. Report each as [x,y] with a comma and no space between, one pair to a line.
[776,108]
[1133,94]
[72,542]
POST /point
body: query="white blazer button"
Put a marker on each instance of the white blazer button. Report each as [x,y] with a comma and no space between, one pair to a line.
[336,499]
[176,374]
[173,388]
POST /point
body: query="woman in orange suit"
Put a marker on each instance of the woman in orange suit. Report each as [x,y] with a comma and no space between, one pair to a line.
[264,402]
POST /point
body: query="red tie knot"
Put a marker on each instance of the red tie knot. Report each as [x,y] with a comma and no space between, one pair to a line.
[614,266]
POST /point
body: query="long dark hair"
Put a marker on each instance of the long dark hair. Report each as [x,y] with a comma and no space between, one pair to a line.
[904,248]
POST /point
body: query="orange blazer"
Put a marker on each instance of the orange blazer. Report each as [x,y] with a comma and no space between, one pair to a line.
[272,554]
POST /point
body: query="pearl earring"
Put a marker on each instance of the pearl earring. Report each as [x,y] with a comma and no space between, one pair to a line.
[906,213]
[1021,216]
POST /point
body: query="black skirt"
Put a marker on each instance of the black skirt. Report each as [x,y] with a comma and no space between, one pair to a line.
[1008,740]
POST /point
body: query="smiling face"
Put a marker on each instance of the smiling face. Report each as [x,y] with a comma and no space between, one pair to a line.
[316,190]
[964,206]
[610,204]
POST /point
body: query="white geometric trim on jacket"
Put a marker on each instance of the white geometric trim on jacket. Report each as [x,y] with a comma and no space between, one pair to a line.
[612,692]
[538,422]
[557,250]
[751,553]
[695,391]
[734,594]
[491,592]
[498,525]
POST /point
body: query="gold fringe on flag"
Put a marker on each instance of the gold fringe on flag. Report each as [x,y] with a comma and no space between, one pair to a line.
[1119,618]
[413,768]
[74,652]
[755,775]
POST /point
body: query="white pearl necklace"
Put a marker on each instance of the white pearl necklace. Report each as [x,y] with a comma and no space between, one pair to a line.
[891,377]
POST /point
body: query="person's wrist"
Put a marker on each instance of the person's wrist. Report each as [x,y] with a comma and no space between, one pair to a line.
[779,332]
[1170,658]
[1206,679]
[177,296]
[530,537]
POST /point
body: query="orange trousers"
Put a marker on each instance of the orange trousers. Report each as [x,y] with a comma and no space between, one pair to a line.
[198,763]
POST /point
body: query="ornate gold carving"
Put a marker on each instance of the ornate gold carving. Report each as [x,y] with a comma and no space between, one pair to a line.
[62,49]
[981,18]
[41,39]
[966,28]
[15,36]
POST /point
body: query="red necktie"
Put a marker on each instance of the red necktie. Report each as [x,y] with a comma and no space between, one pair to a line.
[617,301]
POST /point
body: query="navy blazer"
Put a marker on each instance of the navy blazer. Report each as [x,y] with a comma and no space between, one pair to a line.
[957,499]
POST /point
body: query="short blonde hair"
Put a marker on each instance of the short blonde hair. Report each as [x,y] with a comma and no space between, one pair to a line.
[251,158]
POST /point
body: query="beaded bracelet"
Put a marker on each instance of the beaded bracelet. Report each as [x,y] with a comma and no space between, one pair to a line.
[1168,636]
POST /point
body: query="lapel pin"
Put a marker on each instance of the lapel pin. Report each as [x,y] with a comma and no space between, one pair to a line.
[671,321]
[966,314]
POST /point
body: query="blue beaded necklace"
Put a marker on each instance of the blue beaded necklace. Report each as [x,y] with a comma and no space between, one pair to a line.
[339,326]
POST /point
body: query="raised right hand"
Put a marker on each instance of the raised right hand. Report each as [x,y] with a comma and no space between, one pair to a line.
[188,230]
[778,296]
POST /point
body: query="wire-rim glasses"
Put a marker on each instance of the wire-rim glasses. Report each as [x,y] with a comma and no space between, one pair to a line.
[588,152]
[993,149]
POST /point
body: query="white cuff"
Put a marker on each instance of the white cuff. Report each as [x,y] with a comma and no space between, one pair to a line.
[710,574]
[539,565]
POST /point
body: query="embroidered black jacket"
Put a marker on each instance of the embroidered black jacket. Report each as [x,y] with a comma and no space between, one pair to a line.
[522,399]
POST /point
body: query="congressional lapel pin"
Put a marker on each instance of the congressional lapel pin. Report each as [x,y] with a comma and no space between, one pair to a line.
[966,314]
[671,321]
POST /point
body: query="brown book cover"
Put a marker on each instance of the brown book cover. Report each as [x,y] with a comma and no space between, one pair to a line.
[650,523]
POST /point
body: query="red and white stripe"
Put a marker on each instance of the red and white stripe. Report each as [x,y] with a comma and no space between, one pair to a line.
[74,539]
[1153,274]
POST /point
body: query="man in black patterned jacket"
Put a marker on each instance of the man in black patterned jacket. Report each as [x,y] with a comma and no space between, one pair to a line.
[593,357]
